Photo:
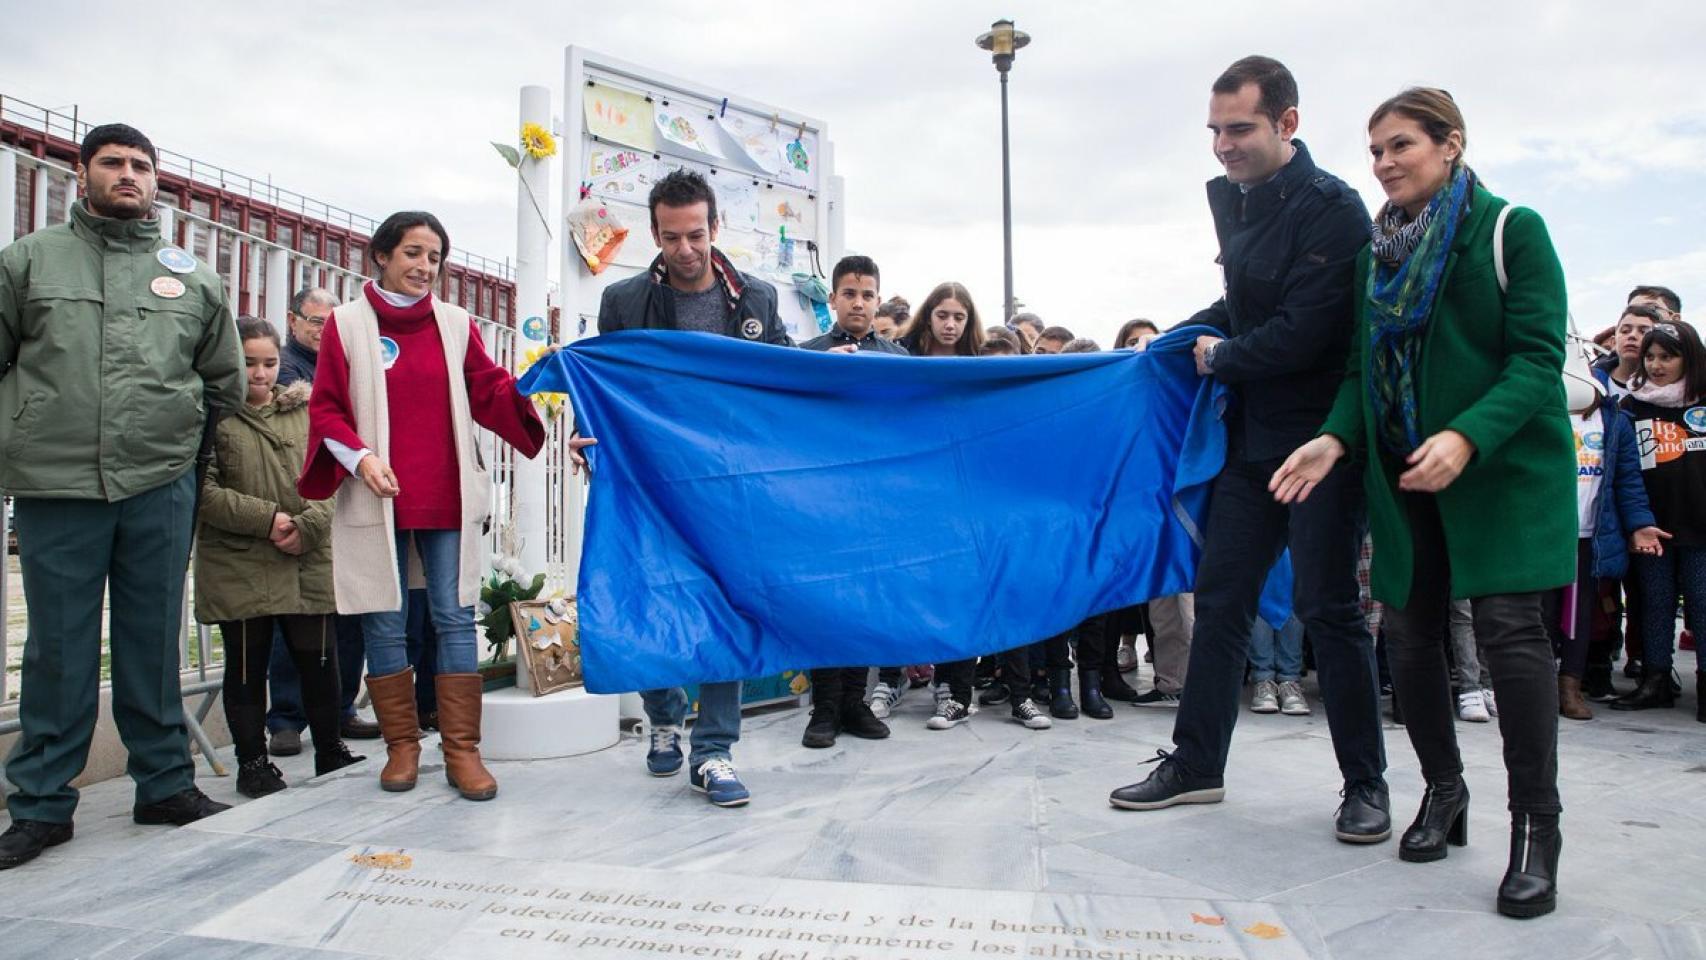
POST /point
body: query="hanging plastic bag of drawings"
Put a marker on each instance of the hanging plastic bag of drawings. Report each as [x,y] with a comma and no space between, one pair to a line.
[617,173]
[755,141]
[683,131]
[619,116]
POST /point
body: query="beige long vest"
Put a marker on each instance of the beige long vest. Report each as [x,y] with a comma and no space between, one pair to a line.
[364,553]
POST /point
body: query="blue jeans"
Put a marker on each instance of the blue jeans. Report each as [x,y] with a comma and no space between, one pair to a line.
[387,633]
[285,687]
[1679,574]
[1276,656]
[718,726]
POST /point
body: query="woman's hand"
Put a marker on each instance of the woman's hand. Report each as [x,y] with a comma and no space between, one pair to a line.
[1436,463]
[378,477]
[577,462]
[1307,466]
[1649,541]
[282,525]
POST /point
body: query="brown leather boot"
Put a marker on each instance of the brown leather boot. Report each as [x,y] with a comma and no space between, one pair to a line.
[1571,704]
[459,734]
[394,703]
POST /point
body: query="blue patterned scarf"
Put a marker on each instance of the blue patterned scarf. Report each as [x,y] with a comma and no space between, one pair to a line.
[1403,281]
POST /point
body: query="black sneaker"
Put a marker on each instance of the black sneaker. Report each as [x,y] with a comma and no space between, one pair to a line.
[285,743]
[1155,698]
[1365,816]
[950,713]
[997,694]
[337,758]
[825,724]
[1166,785]
[24,840]
[185,806]
[258,777]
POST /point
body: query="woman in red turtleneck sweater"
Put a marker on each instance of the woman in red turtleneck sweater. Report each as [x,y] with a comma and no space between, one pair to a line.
[402,379]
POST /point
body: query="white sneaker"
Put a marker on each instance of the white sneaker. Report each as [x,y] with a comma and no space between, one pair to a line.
[885,698]
[1027,713]
[949,713]
[1492,705]
[1126,658]
[1472,708]
[1292,702]
[1265,698]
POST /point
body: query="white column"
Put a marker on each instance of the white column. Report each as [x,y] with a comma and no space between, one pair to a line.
[168,217]
[235,273]
[278,287]
[190,228]
[8,197]
[39,220]
[532,248]
[256,252]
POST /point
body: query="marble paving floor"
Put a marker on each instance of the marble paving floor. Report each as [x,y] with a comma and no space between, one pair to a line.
[989,821]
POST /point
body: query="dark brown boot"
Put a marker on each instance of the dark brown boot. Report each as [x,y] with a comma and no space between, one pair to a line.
[459,733]
[1571,704]
[394,703]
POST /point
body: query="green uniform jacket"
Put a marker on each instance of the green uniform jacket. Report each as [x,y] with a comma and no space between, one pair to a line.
[1491,369]
[239,574]
[105,376]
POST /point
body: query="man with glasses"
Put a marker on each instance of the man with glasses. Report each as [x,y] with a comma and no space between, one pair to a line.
[306,318]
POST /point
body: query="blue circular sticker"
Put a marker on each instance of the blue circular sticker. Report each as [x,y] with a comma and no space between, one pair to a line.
[176,260]
[1695,417]
[533,328]
[1594,440]
[389,351]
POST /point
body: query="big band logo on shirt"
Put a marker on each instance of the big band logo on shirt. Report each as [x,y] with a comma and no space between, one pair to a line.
[1662,441]
[389,351]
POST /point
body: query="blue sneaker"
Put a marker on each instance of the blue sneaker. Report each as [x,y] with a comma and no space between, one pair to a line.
[664,758]
[717,781]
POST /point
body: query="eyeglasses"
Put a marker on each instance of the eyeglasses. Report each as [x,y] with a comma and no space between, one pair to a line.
[1667,328]
[313,321]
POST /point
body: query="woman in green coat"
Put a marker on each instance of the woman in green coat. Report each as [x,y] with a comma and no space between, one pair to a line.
[1455,395]
[263,558]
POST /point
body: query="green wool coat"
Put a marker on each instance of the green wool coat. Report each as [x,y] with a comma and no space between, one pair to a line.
[1492,369]
[239,574]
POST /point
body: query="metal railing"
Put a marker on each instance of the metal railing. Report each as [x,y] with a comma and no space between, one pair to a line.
[68,126]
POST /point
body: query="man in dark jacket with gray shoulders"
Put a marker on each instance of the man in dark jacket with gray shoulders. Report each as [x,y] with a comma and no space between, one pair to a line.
[692,286]
[1289,236]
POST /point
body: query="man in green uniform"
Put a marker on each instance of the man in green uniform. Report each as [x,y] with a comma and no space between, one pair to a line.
[114,348]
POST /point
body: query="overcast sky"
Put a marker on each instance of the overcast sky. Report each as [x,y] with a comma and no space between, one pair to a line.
[1588,112]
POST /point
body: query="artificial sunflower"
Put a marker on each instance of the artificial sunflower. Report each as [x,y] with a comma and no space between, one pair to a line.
[537,141]
[551,404]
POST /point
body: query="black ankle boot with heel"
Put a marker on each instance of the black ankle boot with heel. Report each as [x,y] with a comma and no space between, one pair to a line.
[1443,819]
[1530,887]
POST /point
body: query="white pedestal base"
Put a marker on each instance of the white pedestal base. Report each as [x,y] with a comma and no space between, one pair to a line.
[519,726]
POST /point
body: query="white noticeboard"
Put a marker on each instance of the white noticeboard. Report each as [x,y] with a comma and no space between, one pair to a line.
[625,126]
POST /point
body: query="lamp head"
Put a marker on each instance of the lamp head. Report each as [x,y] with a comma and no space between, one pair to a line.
[1002,41]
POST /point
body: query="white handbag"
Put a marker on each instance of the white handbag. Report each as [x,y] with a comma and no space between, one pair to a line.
[1581,387]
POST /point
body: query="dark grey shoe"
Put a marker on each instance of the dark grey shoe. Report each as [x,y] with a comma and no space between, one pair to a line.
[1169,784]
[285,743]
[24,840]
[1365,816]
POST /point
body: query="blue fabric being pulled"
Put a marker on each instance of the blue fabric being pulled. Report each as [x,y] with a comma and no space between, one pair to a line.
[757,509]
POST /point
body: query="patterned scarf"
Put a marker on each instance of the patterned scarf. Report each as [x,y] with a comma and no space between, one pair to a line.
[1403,281]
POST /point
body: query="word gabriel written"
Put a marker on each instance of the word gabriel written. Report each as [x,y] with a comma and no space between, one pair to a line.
[620,922]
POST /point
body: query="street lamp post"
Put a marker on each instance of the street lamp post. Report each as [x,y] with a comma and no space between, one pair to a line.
[1002,41]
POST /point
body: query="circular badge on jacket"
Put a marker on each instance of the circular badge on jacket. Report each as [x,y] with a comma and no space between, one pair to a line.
[389,351]
[752,328]
[167,288]
[1695,417]
[176,260]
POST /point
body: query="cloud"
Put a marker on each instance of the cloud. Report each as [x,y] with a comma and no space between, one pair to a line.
[1571,105]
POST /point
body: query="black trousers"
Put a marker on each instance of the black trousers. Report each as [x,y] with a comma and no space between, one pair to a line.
[313,644]
[1513,639]
[1019,663]
[838,684]
[1246,532]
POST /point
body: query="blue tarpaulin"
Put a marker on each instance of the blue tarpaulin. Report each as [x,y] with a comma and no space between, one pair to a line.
[755,508]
